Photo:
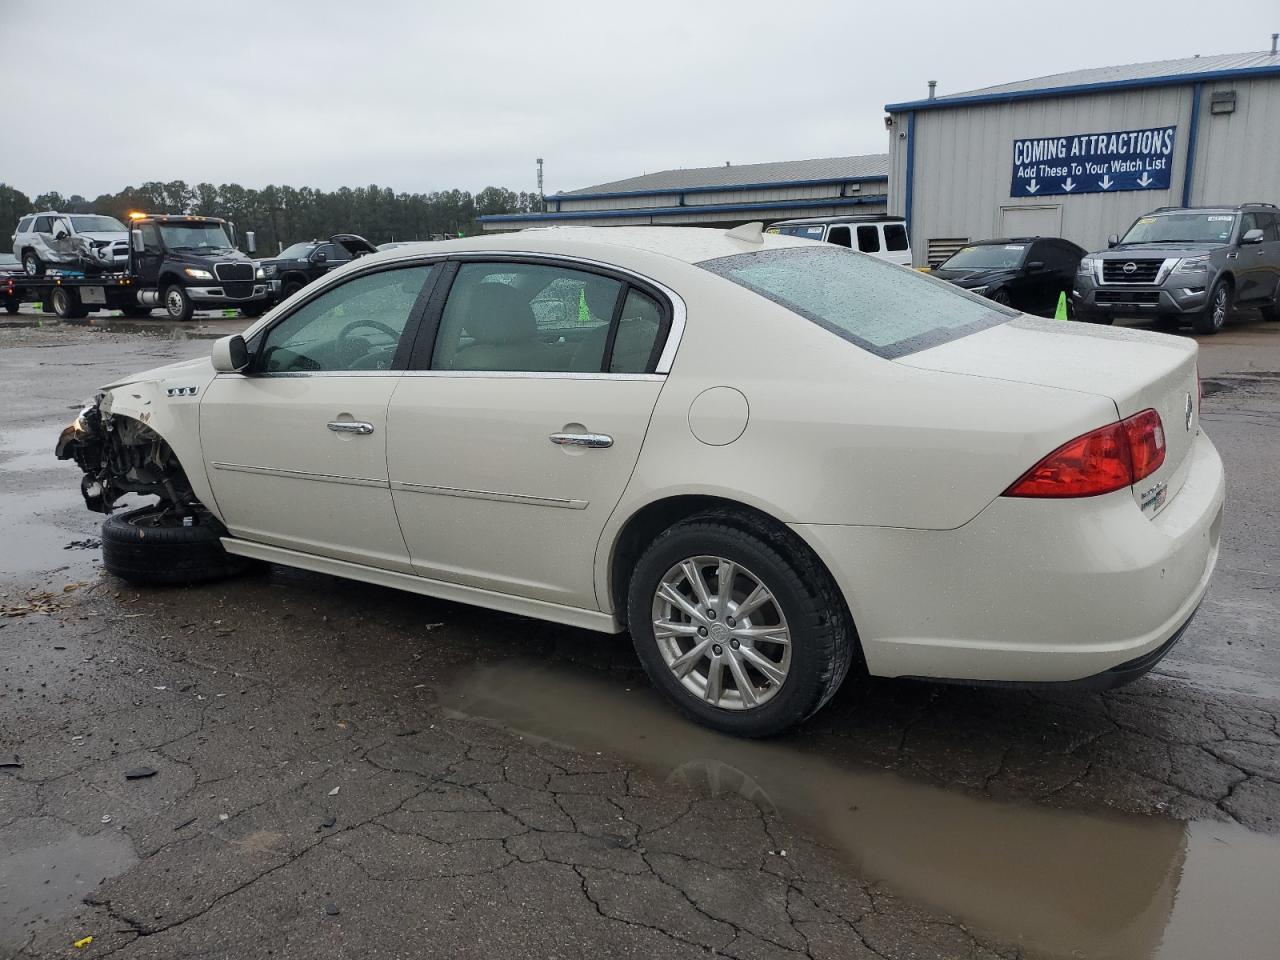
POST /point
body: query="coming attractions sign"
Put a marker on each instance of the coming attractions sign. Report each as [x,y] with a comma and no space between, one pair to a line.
[1093,162]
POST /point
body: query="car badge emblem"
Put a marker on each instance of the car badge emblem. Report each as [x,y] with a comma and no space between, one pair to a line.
[1189,412]
[1130,267]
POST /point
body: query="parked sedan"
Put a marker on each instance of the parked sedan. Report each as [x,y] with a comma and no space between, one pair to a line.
[768,458]
[1029,274]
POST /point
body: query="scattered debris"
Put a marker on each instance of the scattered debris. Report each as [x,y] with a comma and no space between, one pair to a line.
[10,762]
[223,816]
[42,601]
[106,818]
[184,824]
[140,773]
[90,544]
[332,909]
[334,791]
[82,943]
[327,824]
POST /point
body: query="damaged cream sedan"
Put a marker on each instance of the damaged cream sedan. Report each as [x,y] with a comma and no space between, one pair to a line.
[769,459]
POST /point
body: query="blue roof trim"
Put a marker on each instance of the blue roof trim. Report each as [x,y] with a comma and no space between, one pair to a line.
[668,211]
[767,185]
[1173,80]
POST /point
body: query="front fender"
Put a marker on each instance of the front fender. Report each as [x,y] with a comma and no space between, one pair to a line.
[167,400]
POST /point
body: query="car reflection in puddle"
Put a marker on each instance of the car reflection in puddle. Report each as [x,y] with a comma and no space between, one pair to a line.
[1056,882]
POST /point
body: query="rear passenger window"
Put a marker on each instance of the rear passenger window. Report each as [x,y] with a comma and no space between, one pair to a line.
[637,337]
[895,237]
[869,238]
[25,224]
[840,237]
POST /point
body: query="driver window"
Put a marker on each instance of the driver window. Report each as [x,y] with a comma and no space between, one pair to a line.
[354,326]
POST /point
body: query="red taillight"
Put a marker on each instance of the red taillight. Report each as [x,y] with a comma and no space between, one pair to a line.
[1109,458]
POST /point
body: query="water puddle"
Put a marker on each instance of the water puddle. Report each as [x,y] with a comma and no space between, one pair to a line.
[1057,883]
[49,880]
[48,531]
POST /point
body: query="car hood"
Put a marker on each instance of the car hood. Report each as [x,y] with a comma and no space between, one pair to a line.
[356,245]
[1152,251]
[972,278]
[197,372]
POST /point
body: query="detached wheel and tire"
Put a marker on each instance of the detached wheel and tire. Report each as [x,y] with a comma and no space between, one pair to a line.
[177,304]
[741,630]
[150,546]
[1214,316]
[32,265]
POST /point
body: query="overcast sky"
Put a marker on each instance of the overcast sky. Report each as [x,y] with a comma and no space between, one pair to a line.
[432,95]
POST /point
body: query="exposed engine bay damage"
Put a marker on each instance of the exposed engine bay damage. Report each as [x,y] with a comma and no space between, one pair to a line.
[121,455]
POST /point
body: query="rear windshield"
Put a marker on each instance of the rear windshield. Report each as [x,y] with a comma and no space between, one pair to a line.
[888,310]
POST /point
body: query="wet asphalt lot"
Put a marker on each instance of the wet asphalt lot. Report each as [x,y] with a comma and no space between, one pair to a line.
[342,770]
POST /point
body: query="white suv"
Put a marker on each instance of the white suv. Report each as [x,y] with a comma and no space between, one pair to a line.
[875,234]
[83,241]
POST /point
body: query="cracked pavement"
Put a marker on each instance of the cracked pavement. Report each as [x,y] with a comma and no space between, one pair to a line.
[343,770]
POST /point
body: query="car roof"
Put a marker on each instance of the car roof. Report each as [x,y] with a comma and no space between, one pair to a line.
[687,244]
[845,218]
[1223,208]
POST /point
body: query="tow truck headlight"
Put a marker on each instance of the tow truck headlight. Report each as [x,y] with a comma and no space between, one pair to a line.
[195,273]
[1198,265]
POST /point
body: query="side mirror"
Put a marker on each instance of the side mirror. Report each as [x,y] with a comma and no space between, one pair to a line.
[230,354]
[1113,240]
[135,238]
[319,256]
[1035,266]
[251,241]
[1252,236]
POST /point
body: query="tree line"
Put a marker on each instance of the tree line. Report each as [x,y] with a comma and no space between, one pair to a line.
[282,215]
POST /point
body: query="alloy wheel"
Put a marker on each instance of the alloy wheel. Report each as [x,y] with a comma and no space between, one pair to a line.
[1220,302]
[722,632]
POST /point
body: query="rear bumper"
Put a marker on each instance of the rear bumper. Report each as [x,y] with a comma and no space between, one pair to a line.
[1088,591]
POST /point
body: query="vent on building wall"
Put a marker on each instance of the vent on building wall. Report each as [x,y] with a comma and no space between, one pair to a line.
[940,248]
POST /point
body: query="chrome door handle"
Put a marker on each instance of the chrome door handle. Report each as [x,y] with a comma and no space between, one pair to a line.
[351,426]
[596,441]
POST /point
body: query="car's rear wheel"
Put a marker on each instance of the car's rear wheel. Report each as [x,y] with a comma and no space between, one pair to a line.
[151,545]
[32,265]
[177,304]
[1214,316]
[743,632]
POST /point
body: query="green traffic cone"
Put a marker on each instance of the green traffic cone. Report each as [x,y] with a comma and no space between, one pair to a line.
[1061,312]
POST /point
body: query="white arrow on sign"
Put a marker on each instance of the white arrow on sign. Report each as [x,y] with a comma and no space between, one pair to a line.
[1106,181]
[1144,179]
[1068,184]
[1032,187]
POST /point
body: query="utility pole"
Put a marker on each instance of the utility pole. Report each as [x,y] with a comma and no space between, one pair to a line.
[542,204]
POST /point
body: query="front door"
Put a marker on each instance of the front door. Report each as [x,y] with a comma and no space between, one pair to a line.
[296,447]
[513,443]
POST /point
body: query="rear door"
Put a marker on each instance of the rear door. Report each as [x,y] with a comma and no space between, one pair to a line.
[514,435]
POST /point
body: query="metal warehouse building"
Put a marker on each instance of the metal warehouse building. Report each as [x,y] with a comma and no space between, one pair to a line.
[1081,155]
[719,196]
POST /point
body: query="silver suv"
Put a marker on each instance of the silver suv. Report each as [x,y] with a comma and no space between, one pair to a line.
[1186,265]
[75,241]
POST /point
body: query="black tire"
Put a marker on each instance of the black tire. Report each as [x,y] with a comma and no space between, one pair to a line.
[1214,316]
[146,547]
[177,305]
[66,304]
[1271,312]
[254,309]
[12,306]
[32,265]
[1001,297]
[290,288]
[823,641]
[137,313]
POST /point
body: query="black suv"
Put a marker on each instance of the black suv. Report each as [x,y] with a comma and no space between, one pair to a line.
[1027,273]
[296,266]
[1186,265]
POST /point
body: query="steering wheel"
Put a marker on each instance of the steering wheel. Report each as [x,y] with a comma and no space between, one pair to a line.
[375,324]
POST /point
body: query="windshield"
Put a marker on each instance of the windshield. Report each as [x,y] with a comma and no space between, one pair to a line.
[299,251]
[987,256]
[885,309]
[1182,228]
[194,236]
[97,225]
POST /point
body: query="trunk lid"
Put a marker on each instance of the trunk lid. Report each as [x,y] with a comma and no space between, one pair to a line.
[1135,369]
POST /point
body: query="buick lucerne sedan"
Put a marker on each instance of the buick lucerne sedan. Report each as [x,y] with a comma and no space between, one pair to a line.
[767,458]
